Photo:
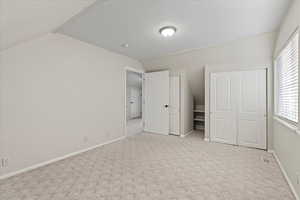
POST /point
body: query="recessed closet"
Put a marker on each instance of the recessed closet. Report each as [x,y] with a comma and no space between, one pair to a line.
[237,105]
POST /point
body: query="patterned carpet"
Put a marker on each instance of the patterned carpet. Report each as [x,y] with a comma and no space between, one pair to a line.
[155,167]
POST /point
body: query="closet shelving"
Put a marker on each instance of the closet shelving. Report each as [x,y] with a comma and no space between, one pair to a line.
[199,118]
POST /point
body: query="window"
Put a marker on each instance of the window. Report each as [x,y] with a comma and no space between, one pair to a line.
[286,77]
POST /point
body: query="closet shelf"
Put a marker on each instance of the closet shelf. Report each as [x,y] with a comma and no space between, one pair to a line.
[199,119]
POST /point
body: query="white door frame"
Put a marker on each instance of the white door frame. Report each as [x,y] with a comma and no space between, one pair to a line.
[230,68]
[125,95]
[180,92]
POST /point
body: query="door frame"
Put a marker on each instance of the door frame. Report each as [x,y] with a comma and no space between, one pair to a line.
[180,107]
[231,68]
[142,72]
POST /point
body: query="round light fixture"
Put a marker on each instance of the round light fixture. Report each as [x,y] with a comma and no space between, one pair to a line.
[167,31]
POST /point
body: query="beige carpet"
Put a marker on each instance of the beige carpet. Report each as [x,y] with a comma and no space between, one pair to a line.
[155,167]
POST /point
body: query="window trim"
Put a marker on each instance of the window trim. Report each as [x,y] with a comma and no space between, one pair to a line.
[292,127]
[280,118]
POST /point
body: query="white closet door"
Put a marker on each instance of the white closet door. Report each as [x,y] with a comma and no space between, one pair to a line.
[223,100]
[238,108]
[157,94]
[174,107]
[252,109]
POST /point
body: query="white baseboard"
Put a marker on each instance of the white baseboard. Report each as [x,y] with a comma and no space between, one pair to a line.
[186,134]
[284,174]
[156,133]
[173,133]
[56,159]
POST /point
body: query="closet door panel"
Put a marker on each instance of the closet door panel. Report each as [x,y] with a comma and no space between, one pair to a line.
[252,109]
[223,129]
[223,107]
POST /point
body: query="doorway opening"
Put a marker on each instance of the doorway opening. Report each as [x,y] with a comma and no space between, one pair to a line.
[134,102]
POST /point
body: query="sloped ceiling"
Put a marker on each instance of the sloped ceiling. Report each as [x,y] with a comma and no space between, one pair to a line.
[111,23]
[200,23]
[22,20]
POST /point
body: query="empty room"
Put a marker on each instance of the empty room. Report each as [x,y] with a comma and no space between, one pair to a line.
[149,100]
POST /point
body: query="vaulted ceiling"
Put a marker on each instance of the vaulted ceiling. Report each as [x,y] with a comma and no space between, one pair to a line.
[112,23]
[22,20]
[200,23]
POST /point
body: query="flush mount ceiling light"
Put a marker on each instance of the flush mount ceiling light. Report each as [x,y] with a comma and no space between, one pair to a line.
[167,31]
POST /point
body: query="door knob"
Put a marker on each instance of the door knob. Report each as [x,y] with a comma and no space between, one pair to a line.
[166,106]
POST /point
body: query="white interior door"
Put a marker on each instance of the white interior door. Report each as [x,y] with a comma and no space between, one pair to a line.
[157,92]
[252,118]
[174,108]
[223,99]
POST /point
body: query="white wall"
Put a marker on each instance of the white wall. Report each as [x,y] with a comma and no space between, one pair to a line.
[253,51]
[59,95]
[286,140]
[187,105]
[288,26]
